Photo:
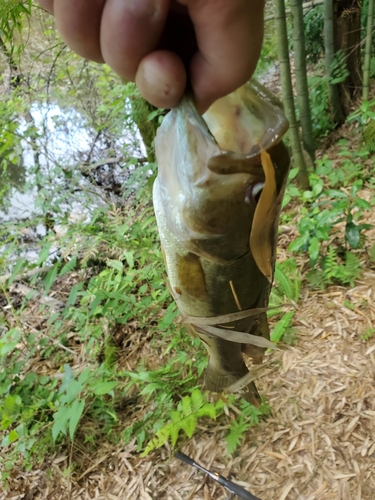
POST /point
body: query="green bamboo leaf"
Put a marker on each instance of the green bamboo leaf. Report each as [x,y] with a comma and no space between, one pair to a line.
[19,264]
[73,294]
[69,266]
[44,253]
[50,279]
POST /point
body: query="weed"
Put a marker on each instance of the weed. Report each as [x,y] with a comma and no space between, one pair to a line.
[368,334]
[365,117]
[184,418]
[248,417]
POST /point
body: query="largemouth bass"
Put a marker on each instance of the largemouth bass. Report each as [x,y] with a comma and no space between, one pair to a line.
[217,199]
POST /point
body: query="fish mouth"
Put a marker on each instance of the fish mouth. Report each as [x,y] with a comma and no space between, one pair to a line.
[242,124]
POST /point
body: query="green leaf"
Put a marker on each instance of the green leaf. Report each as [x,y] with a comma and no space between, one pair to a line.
[364,226]
[307,195]
[44,253]
[9,403]
[104,388]
[336,193]
[73,294]
[322,234]
[189,425]
[115,264]
[363,204]
[61,418]
[76,413]
[186,405]
[83,377]
[174,432]
[19,264]
[293,173]
[50,278]
[236,435]
[314,249]
[306,225]
[281,327]
[73,389]
[208,410]
[352,234]
[129,259]
[356,186]
[7,348]
[69,266]
[197,400]
[13,436]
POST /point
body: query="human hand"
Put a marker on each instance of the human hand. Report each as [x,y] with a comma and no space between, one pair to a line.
[213,45]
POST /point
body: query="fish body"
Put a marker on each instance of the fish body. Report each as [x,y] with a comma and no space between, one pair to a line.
[217,210]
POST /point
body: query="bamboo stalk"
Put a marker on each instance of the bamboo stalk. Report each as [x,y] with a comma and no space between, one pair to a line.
[305,5]
[301,77]
[287,90]
[338,114]
[367,62]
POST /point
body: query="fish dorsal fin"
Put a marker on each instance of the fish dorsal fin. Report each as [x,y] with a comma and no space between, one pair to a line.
[262,231]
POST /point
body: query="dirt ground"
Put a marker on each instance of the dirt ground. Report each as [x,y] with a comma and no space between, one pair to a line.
[318,443]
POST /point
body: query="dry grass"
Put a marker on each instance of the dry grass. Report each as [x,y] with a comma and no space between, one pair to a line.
[319,442]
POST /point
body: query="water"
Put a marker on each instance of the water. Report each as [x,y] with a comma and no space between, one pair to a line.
[49,176]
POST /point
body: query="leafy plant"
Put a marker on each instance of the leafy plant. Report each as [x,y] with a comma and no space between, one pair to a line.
[11,17]
[342,270]
[365,117]
[286,287]
[184,419]
[314,40]
[318,223]
[286,291]
[319,83]
[248,417]
[282,327]
[368,334]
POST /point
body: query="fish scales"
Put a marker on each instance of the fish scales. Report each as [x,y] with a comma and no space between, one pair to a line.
[210,183]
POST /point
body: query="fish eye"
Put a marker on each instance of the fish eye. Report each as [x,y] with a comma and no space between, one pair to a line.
[253,192]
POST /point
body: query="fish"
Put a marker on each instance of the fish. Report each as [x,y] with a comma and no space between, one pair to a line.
[217,199]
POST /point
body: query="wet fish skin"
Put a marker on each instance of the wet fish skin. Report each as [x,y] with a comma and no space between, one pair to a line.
[205,220]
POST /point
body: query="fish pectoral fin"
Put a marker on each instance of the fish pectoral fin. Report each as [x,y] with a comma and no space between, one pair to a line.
[262,231]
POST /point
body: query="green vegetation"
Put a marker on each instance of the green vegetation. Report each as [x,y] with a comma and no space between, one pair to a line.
[91,348]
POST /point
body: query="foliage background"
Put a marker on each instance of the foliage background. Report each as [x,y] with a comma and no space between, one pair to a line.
[91,352]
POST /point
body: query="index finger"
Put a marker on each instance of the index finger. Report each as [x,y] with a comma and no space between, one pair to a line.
[229,36]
